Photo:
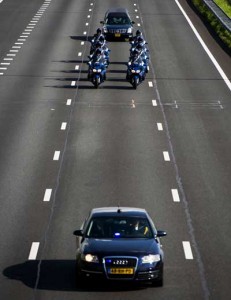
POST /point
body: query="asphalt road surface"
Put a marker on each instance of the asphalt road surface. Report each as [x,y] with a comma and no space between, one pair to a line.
[66,147]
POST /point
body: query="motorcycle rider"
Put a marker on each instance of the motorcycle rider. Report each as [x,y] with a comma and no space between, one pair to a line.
[136,59]
[99,34]
[135,38]
[99,57]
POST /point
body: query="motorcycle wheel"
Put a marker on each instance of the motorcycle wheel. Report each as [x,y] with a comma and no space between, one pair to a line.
[97,82]
[135,82]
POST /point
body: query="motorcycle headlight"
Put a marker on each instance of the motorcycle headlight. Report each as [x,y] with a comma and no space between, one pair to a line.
[149,259]
[97,70]
[90,258]
[129,30]
[135,71]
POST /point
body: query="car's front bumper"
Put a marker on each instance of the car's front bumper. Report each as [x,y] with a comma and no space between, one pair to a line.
[118,36]
[141,273]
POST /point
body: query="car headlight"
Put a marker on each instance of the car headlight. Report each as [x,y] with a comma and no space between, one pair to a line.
[90,258]
[129,30]
[105,29]
[149,259]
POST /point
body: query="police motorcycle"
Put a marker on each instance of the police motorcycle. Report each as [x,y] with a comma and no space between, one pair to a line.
[98,37]
[136,70]
[101,44]
[97,68]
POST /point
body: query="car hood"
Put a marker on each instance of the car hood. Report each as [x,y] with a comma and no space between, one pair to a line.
[120,246]
[125,26]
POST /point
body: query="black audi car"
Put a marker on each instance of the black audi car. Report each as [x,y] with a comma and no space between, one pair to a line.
[117,24]
[119,243]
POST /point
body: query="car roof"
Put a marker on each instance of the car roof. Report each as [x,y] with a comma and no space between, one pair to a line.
[119,211]
[117,10]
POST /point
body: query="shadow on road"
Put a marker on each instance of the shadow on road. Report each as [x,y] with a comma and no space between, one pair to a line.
[60,275]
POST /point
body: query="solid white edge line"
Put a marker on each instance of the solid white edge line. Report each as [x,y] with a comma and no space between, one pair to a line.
[219,69]
[187,250]
[47,195]
[33,251]
[175,195]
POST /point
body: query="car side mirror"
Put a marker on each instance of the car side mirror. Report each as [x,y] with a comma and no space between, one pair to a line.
[161,233]
[102,22]
[133,22]
[78,232]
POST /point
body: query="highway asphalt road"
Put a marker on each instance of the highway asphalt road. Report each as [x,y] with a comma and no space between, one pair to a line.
[66,147]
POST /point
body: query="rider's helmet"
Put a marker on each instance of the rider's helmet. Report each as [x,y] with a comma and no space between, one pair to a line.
[138,33]
[99,31]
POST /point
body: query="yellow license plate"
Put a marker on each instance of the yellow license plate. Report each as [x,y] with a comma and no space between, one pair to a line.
[117,34]
[128,271]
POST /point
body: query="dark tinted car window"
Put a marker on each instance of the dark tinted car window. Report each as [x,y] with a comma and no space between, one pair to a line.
[118,19]
[119,227]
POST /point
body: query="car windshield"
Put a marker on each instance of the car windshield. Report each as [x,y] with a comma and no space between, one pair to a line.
[118,19]
[119,227]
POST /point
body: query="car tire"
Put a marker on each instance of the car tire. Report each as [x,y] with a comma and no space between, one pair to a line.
[158,282]
[80,279]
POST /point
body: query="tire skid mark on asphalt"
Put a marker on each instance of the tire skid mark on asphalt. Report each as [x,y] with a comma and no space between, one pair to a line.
[27,31]
[54,190]
[175,193]
[80,54]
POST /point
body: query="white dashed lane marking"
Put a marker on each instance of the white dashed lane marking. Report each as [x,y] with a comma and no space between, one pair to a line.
[47,195]
[68,102]
[175,195]
[160,126]
[64,126]
[33,251]
[166,156]
[154,102]
[187,250]
[56,155]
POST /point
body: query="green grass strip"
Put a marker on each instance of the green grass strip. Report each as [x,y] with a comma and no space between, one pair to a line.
[225,5]
[214,22]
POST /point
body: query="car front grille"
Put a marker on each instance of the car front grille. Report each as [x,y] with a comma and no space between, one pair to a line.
[120,267]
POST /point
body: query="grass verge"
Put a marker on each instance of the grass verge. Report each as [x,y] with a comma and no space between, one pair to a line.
[214,22]
[225,5]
